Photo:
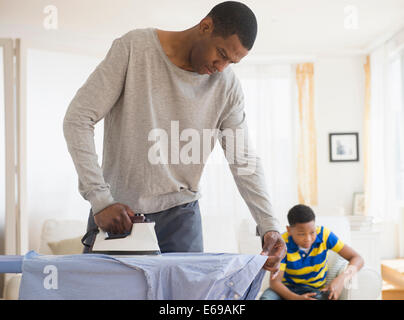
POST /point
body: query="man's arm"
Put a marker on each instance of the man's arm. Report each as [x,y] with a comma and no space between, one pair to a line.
[248,174]
[90,104]
[246,167]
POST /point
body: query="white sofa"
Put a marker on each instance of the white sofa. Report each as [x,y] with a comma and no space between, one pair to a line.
[63,237]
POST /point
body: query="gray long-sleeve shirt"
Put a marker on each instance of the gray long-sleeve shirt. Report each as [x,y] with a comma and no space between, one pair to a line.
[155,113]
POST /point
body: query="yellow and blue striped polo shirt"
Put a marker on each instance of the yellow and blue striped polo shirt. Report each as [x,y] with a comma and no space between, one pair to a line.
[309,269]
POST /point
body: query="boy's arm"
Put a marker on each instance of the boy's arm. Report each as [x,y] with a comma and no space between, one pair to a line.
[277,286]
[355,260]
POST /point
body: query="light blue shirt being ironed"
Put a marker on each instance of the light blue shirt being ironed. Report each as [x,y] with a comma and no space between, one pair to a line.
[170,276]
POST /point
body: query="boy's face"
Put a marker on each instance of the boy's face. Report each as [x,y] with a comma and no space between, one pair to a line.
[303,234]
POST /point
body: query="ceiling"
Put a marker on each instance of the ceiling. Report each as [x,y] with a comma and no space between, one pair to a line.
[286,27]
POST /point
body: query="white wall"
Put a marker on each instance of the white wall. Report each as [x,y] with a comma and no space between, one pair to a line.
[339,105]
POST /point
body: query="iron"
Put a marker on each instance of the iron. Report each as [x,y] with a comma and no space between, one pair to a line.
[141,240]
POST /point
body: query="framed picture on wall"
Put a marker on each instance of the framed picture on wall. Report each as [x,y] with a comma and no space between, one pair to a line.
[344,147]
[359,204]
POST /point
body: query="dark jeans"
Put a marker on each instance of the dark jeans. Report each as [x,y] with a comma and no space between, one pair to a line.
[178,229]
[269,294]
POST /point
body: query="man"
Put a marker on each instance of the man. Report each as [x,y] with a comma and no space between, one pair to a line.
[151,81]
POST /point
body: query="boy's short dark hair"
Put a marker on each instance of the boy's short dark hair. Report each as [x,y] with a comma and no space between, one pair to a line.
[300,214]
[232,17]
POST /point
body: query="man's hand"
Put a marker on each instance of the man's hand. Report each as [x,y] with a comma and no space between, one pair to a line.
[116,218]
[275,248]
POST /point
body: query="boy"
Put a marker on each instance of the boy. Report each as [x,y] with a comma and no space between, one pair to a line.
[303,270]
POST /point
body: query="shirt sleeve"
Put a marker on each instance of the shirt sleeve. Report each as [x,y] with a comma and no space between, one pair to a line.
[246,166]
[90,104]
[283,263]
[333,243]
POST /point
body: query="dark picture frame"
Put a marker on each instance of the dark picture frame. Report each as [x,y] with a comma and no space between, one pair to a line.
[344,147]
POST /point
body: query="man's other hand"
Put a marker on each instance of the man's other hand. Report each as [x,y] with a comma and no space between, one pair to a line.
[115,219]
[275,248]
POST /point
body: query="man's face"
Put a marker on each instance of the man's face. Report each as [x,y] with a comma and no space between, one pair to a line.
[303,234]
[213,53]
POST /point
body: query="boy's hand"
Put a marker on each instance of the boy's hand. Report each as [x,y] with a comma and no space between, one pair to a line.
[334,288]
[275,248]
[307,296]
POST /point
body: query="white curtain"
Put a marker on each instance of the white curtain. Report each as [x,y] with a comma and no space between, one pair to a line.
[270,94]
[386,135]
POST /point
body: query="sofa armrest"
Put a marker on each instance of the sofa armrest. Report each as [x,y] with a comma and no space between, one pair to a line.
[366,285]
[12,287]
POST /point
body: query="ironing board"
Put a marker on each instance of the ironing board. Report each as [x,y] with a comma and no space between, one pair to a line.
[170,276]
[11,264]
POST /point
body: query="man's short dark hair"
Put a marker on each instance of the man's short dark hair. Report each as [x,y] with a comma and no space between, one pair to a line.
[232,17]
[300,214]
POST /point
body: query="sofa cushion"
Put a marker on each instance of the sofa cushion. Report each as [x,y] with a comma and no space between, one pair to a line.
[66,246]
[56,230]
